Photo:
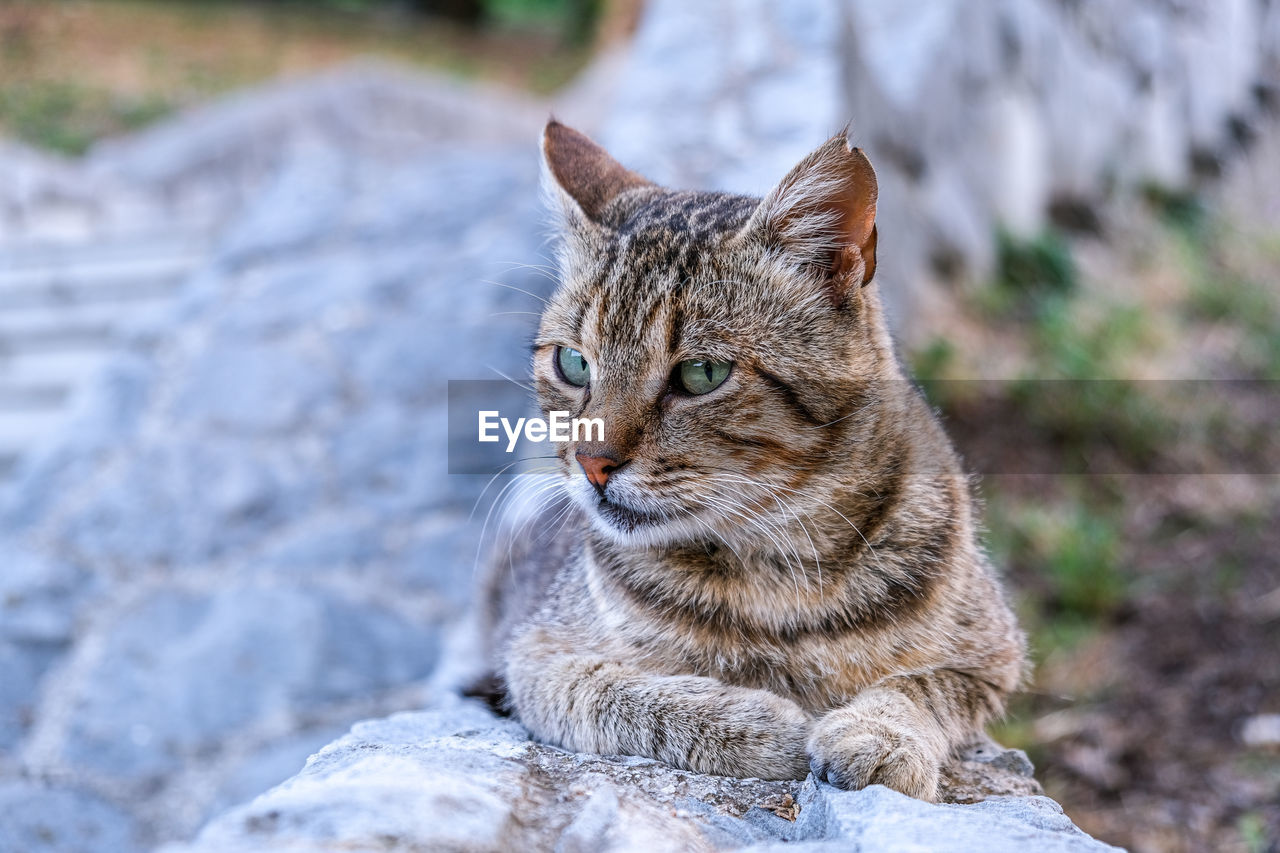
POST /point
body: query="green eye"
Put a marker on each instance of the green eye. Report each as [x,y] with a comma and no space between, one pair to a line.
[699,376]
[573,367]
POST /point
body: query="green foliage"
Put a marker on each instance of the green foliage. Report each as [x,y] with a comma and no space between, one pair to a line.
[934,360]
[68,118]
[1034,267]
[930,367]
[1068,346]
[51,97]
[1075,550]
[1082,556]
[1252,828]
[575,19]
[1230,299]
[1181,209]
[1091,408]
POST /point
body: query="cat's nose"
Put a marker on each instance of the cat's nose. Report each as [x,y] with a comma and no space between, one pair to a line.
[598,468]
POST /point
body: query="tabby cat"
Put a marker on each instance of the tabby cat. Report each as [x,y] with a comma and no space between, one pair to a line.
[769,564]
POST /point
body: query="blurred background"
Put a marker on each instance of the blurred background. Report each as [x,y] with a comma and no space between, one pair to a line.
[243,246]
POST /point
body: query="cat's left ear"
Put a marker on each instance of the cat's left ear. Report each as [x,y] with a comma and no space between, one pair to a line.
[587,177]
[824,214]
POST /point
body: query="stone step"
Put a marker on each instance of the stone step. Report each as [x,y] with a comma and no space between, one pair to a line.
[114,314]
[65,368]
[20,430]
[60,338]
[27,254]
[32,396]
[69,292]
[64,309]
[86,271]
[73,325]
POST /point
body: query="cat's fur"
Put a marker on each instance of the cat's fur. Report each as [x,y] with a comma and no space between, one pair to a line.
[785,573]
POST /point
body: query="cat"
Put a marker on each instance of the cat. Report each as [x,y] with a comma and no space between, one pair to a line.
[770,564]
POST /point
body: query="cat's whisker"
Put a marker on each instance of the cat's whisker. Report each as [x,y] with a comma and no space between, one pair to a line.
[537,495]
[566,512]
[843,418]
[757,523]
[498,502]
[817,561]
[717,535]
[784,537]
[516,289]
[471,515]
[546,270]
[870,547]
[540,498]
[512,380]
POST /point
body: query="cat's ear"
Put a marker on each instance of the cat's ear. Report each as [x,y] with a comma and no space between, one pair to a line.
[824,214]
[583,173]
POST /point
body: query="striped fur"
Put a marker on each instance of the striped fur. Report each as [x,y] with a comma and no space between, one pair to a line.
[787,573]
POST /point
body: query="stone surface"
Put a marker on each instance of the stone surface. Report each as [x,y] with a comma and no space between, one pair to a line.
[63,820]
[458,778]
[244,538]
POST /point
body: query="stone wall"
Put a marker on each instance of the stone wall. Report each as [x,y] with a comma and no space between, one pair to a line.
[978,114]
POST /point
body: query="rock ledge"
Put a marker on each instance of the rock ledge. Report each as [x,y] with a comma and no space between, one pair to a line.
[459,778]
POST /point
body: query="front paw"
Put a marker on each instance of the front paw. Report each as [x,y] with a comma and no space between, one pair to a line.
[761,735]
[852,750]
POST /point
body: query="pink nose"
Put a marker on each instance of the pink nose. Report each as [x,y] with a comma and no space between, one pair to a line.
[598,468]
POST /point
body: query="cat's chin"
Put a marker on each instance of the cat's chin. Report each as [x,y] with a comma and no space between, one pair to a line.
[631,527]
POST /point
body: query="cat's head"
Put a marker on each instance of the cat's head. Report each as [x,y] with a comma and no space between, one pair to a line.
[731,345]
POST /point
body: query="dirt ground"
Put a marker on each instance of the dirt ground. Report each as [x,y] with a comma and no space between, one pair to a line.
[1139,520]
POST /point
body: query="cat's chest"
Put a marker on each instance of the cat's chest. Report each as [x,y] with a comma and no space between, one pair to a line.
[817,671]
[735,633]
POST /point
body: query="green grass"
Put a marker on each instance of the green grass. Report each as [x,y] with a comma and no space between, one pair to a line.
[68,118]
[1074,337]
[1086,404]
[1219,292]
[1181,209]
[68,80]
[1252,828]
[1040,265]
[1249,306]
[1074,550]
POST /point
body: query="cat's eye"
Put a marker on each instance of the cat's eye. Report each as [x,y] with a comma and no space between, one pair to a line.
[573,366]
[701,376]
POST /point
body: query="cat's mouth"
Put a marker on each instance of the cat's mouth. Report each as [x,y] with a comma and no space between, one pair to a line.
[626,518]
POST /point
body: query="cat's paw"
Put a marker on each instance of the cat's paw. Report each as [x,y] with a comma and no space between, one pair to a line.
[761,735]
[851,749]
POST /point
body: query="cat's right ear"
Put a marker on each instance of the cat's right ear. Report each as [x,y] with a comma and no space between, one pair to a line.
[823,214]
[582,174]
